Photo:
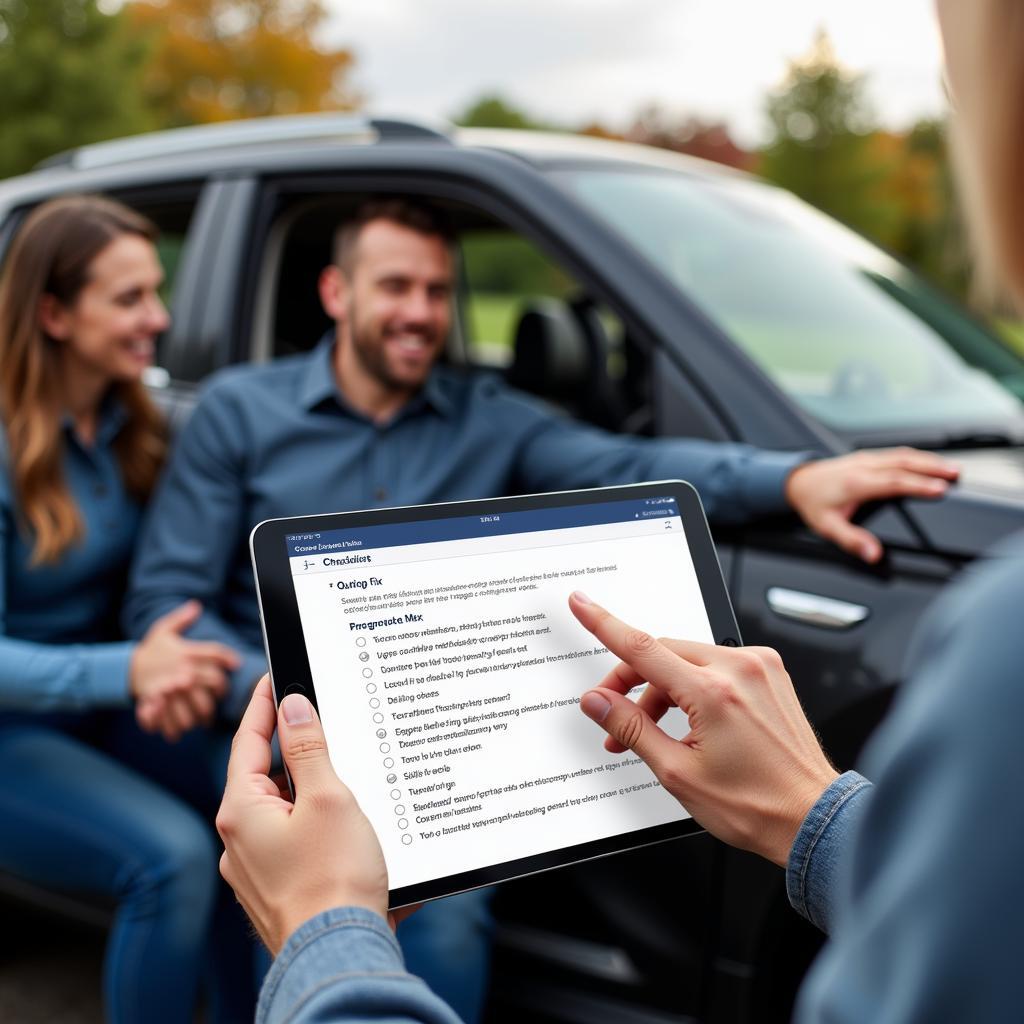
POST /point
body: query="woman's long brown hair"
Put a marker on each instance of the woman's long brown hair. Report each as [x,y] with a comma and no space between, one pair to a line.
[51,255]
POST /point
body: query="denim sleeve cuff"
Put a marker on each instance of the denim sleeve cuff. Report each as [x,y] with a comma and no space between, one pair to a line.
[345,964]
[107,672]
[820,845]
[764,479]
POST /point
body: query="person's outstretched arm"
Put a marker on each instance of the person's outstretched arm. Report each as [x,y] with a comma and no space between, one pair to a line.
[736,482]
[311,877]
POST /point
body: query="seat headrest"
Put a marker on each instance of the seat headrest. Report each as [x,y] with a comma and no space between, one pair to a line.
[552,356]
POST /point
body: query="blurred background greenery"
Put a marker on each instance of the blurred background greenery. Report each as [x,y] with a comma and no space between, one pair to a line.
[79,71]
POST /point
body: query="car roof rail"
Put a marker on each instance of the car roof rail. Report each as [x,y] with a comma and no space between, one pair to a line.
[350,129]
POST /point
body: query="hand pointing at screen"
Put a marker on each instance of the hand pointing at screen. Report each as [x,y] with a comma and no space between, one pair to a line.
[750,768]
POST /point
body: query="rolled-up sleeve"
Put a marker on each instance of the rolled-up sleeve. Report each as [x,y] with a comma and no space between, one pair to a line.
[821,846]
[345,966]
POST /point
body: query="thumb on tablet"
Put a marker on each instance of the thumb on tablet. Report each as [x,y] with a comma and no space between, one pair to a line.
[303,745]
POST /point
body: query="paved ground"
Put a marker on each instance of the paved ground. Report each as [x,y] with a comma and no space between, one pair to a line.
[49,971]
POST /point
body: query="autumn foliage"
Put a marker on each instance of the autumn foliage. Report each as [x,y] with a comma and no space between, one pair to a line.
[217,60]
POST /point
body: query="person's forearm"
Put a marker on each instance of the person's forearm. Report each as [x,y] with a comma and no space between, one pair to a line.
[63,677]
[342,967]
[735,481]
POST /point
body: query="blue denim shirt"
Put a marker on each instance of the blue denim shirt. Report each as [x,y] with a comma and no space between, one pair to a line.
[918,878]
[818,853]
[279,440]
[60,646]
[345,965]
[923,870]
[927,912]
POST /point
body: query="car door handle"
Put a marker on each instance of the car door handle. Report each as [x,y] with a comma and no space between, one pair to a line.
[815,610]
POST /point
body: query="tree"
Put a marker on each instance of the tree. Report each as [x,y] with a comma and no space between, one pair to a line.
[69,74]
[709,140]
[824,146]
[936,236]
[494,112]
[217,60]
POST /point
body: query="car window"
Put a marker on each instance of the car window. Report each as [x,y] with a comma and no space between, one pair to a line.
[172,220]
[516,309]
[505,277]
[849,333]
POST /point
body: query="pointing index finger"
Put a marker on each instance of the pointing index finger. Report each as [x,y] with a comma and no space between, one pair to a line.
[649,658]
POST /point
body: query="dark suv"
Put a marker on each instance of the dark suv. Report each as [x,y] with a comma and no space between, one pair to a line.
[649,294]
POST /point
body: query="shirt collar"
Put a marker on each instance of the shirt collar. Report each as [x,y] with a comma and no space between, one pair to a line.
[112,417]
[319,386]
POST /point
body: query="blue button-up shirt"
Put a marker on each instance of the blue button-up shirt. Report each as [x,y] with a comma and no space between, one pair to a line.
[279,440]
[60,644]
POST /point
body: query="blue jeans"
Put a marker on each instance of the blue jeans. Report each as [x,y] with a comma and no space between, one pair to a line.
[92,805]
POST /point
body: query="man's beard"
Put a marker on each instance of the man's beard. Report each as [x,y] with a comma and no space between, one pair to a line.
[370,352]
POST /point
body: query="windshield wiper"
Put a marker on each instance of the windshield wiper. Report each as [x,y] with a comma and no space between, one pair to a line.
[984,439]
[1009,436]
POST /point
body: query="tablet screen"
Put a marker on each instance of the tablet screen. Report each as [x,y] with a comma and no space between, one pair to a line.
[448,670]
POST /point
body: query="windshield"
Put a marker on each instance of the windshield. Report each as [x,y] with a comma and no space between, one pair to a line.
[850,334]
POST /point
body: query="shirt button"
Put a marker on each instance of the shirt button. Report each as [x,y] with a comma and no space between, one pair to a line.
[380,494]
[100,490]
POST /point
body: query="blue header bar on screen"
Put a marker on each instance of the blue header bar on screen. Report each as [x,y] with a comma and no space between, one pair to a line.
[496,524]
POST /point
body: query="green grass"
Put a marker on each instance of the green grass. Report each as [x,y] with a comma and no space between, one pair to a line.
[493,317]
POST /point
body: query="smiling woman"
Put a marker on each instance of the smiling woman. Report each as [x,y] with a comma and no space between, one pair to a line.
[79,314]
[93,812]
[109,332]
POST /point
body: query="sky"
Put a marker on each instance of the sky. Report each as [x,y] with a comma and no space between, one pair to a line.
[575,61]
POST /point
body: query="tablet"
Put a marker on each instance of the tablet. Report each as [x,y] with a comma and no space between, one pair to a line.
[437,644]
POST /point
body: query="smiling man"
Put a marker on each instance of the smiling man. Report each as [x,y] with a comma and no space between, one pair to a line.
[389,292]
[369,418]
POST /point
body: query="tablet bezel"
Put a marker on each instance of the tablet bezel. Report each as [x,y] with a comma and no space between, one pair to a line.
[289,665]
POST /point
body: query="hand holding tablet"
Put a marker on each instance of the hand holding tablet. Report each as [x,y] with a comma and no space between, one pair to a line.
[439,648]
[282,858]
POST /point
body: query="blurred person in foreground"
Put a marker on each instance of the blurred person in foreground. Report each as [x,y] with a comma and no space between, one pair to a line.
[916,876]
[93,804]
